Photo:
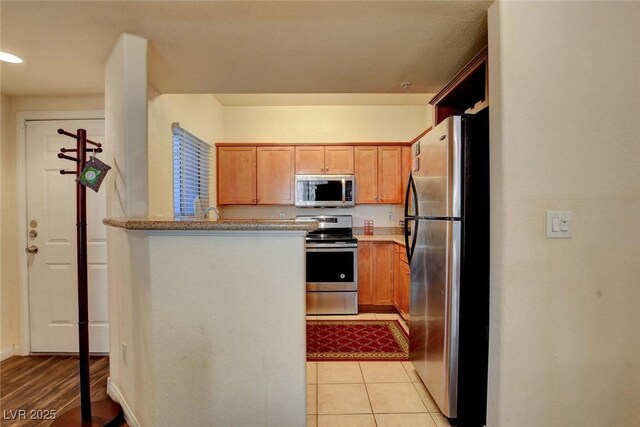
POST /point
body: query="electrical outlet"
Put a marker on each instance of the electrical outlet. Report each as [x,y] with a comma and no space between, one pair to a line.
[283,215]
[390,215]
[123,350]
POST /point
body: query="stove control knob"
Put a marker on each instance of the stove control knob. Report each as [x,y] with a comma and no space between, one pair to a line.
[342,276]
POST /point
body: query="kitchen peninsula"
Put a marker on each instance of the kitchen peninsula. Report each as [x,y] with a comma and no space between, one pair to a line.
[218,336]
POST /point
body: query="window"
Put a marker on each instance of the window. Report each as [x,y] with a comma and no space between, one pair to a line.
[191,167]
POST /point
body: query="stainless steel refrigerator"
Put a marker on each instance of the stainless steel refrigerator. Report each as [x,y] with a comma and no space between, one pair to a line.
[447,238]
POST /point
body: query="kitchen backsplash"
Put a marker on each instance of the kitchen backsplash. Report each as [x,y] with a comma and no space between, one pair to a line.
[384,216]
[380,231]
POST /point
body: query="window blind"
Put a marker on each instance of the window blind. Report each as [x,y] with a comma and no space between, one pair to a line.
[192,163]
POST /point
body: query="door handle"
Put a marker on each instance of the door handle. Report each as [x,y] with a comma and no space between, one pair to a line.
[33,249]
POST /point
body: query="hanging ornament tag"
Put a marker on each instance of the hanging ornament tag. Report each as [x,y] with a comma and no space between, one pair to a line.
[93,173]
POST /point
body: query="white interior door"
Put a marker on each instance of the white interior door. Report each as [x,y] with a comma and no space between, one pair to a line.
[51,213]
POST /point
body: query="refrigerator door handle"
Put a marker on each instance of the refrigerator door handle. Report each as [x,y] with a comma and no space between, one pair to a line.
[410,248]
[411,190]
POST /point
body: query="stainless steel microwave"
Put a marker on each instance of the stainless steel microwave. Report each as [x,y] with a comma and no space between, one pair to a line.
[325,191]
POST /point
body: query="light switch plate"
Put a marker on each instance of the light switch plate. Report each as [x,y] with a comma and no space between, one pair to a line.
[559,224]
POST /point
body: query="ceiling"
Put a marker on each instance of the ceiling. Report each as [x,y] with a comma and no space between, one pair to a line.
[243,47]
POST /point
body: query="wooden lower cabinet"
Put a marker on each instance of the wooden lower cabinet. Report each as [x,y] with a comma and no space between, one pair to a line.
[401,281]
[364,273]
[375,273]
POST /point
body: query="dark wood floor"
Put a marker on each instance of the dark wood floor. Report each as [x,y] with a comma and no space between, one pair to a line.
[42,384]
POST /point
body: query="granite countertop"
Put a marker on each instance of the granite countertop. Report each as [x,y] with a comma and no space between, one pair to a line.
[207,224]
[395,238]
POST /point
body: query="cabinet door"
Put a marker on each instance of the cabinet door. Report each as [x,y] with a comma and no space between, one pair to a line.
[406,170]
[382,273]
[275,175]
[366,171]
[405,289]
[389,174]
[338,159]
[236,175]
[310,160]
[364,273]
[396,277]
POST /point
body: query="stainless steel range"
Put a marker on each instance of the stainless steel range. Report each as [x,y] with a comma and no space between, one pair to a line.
[332,265]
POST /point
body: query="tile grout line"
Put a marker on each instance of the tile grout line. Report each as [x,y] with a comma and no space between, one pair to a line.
[366,390]
[423,403]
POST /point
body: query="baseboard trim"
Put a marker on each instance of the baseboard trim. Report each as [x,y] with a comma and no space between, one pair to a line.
[8,352]
[114,393]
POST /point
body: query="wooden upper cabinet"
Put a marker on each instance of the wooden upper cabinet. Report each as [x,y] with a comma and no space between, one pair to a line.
[319,160]
[389,174]
[275,170]
[378,174]
[467,91]
[406,170]
[310,160]
[338,160]
[366,171]
[236,175]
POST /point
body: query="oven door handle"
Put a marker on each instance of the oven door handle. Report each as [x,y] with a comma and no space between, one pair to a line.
[329,247]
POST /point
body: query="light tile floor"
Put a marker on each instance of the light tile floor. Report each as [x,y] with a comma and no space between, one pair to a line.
[368,394]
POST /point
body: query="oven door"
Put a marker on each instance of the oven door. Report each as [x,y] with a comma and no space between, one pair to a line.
[332,267]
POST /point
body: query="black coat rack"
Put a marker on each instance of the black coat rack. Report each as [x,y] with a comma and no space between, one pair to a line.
[105,412]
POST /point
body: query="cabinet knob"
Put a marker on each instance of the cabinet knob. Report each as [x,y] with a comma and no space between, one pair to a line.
[326,169]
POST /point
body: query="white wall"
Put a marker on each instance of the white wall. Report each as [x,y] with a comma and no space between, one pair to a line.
[11,106]
[565,96]
[199,114]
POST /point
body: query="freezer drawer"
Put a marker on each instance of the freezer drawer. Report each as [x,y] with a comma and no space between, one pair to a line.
[434,312]
[332,303]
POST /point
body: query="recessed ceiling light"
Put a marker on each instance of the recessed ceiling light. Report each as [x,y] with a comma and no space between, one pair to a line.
[7,57]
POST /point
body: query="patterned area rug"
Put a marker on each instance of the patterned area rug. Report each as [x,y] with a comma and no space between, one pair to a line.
[356,340]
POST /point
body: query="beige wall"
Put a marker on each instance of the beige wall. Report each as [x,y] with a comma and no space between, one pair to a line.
[218,328]
[564,85]
[126,149]
[199,114]
[9,331]
[326,123]
[10,280]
